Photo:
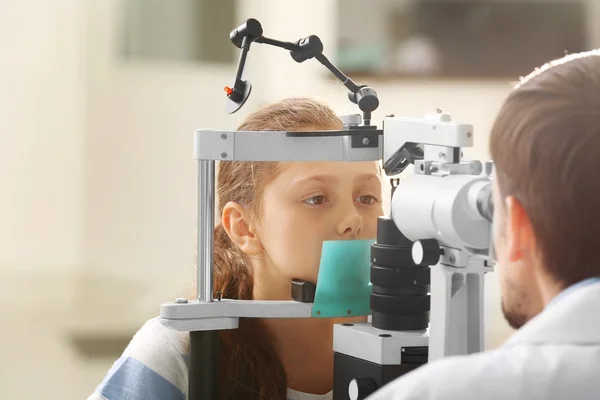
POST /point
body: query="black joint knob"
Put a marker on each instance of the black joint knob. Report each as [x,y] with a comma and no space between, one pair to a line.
[308,48]
[361,388]
[366,99]
[426,252]
[251,29]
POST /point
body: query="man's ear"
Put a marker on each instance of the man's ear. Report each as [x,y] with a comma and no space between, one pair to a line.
[236,222]
[520,239]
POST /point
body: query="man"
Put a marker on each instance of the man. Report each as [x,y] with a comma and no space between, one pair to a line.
[546,147]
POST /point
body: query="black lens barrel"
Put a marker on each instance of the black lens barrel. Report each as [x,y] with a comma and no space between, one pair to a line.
[400,299]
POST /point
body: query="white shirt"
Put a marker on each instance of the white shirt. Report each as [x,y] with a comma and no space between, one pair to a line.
[556,355]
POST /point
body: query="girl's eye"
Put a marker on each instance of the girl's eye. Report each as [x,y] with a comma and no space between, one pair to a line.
[315,200]
[368,200]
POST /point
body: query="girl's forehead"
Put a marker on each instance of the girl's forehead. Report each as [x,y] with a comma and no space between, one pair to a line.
[328,172]
[334,167]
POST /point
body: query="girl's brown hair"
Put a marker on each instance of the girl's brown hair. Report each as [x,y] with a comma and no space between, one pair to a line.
[249,365]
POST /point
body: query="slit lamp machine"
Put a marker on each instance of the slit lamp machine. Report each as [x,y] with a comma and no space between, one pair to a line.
[424,273]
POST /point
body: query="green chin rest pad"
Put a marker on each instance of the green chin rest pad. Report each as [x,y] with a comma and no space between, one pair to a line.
[344,282]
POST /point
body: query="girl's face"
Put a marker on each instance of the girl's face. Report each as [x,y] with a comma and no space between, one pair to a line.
[311,202]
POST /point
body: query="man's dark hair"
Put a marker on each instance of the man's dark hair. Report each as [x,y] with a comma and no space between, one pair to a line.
[545,144]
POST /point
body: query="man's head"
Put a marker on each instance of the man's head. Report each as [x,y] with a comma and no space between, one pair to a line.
[545,144]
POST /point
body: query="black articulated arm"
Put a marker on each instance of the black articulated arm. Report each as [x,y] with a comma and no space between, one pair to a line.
[302,50]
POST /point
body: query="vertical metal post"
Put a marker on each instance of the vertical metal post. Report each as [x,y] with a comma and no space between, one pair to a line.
[204,365]
[474,308]
[206,202]
[203,381]
[441,297]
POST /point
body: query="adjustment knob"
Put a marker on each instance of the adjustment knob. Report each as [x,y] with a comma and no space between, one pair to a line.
[351,120]
[426,252]
[360,388]
[303,292]
[439,116]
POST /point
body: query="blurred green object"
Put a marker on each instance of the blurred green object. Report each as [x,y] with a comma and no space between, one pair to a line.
[361,57]
[343,285]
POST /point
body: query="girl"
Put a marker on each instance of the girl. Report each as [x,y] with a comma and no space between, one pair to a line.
[274,219]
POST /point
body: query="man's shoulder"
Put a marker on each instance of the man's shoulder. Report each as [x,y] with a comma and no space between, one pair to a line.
[516,371]
[453,377]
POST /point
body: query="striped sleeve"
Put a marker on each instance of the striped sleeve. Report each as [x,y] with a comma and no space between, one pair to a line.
[152,367]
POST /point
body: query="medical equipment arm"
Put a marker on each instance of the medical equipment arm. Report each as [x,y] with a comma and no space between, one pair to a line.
[301,50]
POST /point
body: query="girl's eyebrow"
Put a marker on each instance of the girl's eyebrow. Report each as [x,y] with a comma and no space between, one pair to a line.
[330,179]
[367,177]
[318,178]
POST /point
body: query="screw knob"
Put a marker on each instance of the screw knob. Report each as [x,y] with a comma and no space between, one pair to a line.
[426,252]
[360,388]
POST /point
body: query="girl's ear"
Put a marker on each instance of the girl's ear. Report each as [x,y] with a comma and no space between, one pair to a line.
[236,222]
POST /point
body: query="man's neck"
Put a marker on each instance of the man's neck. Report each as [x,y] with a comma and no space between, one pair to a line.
[548,287]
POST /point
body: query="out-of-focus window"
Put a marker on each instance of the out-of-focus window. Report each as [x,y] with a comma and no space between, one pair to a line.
[458,38]
[178,30]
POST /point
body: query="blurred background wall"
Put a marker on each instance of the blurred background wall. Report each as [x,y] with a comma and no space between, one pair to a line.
[98,104]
